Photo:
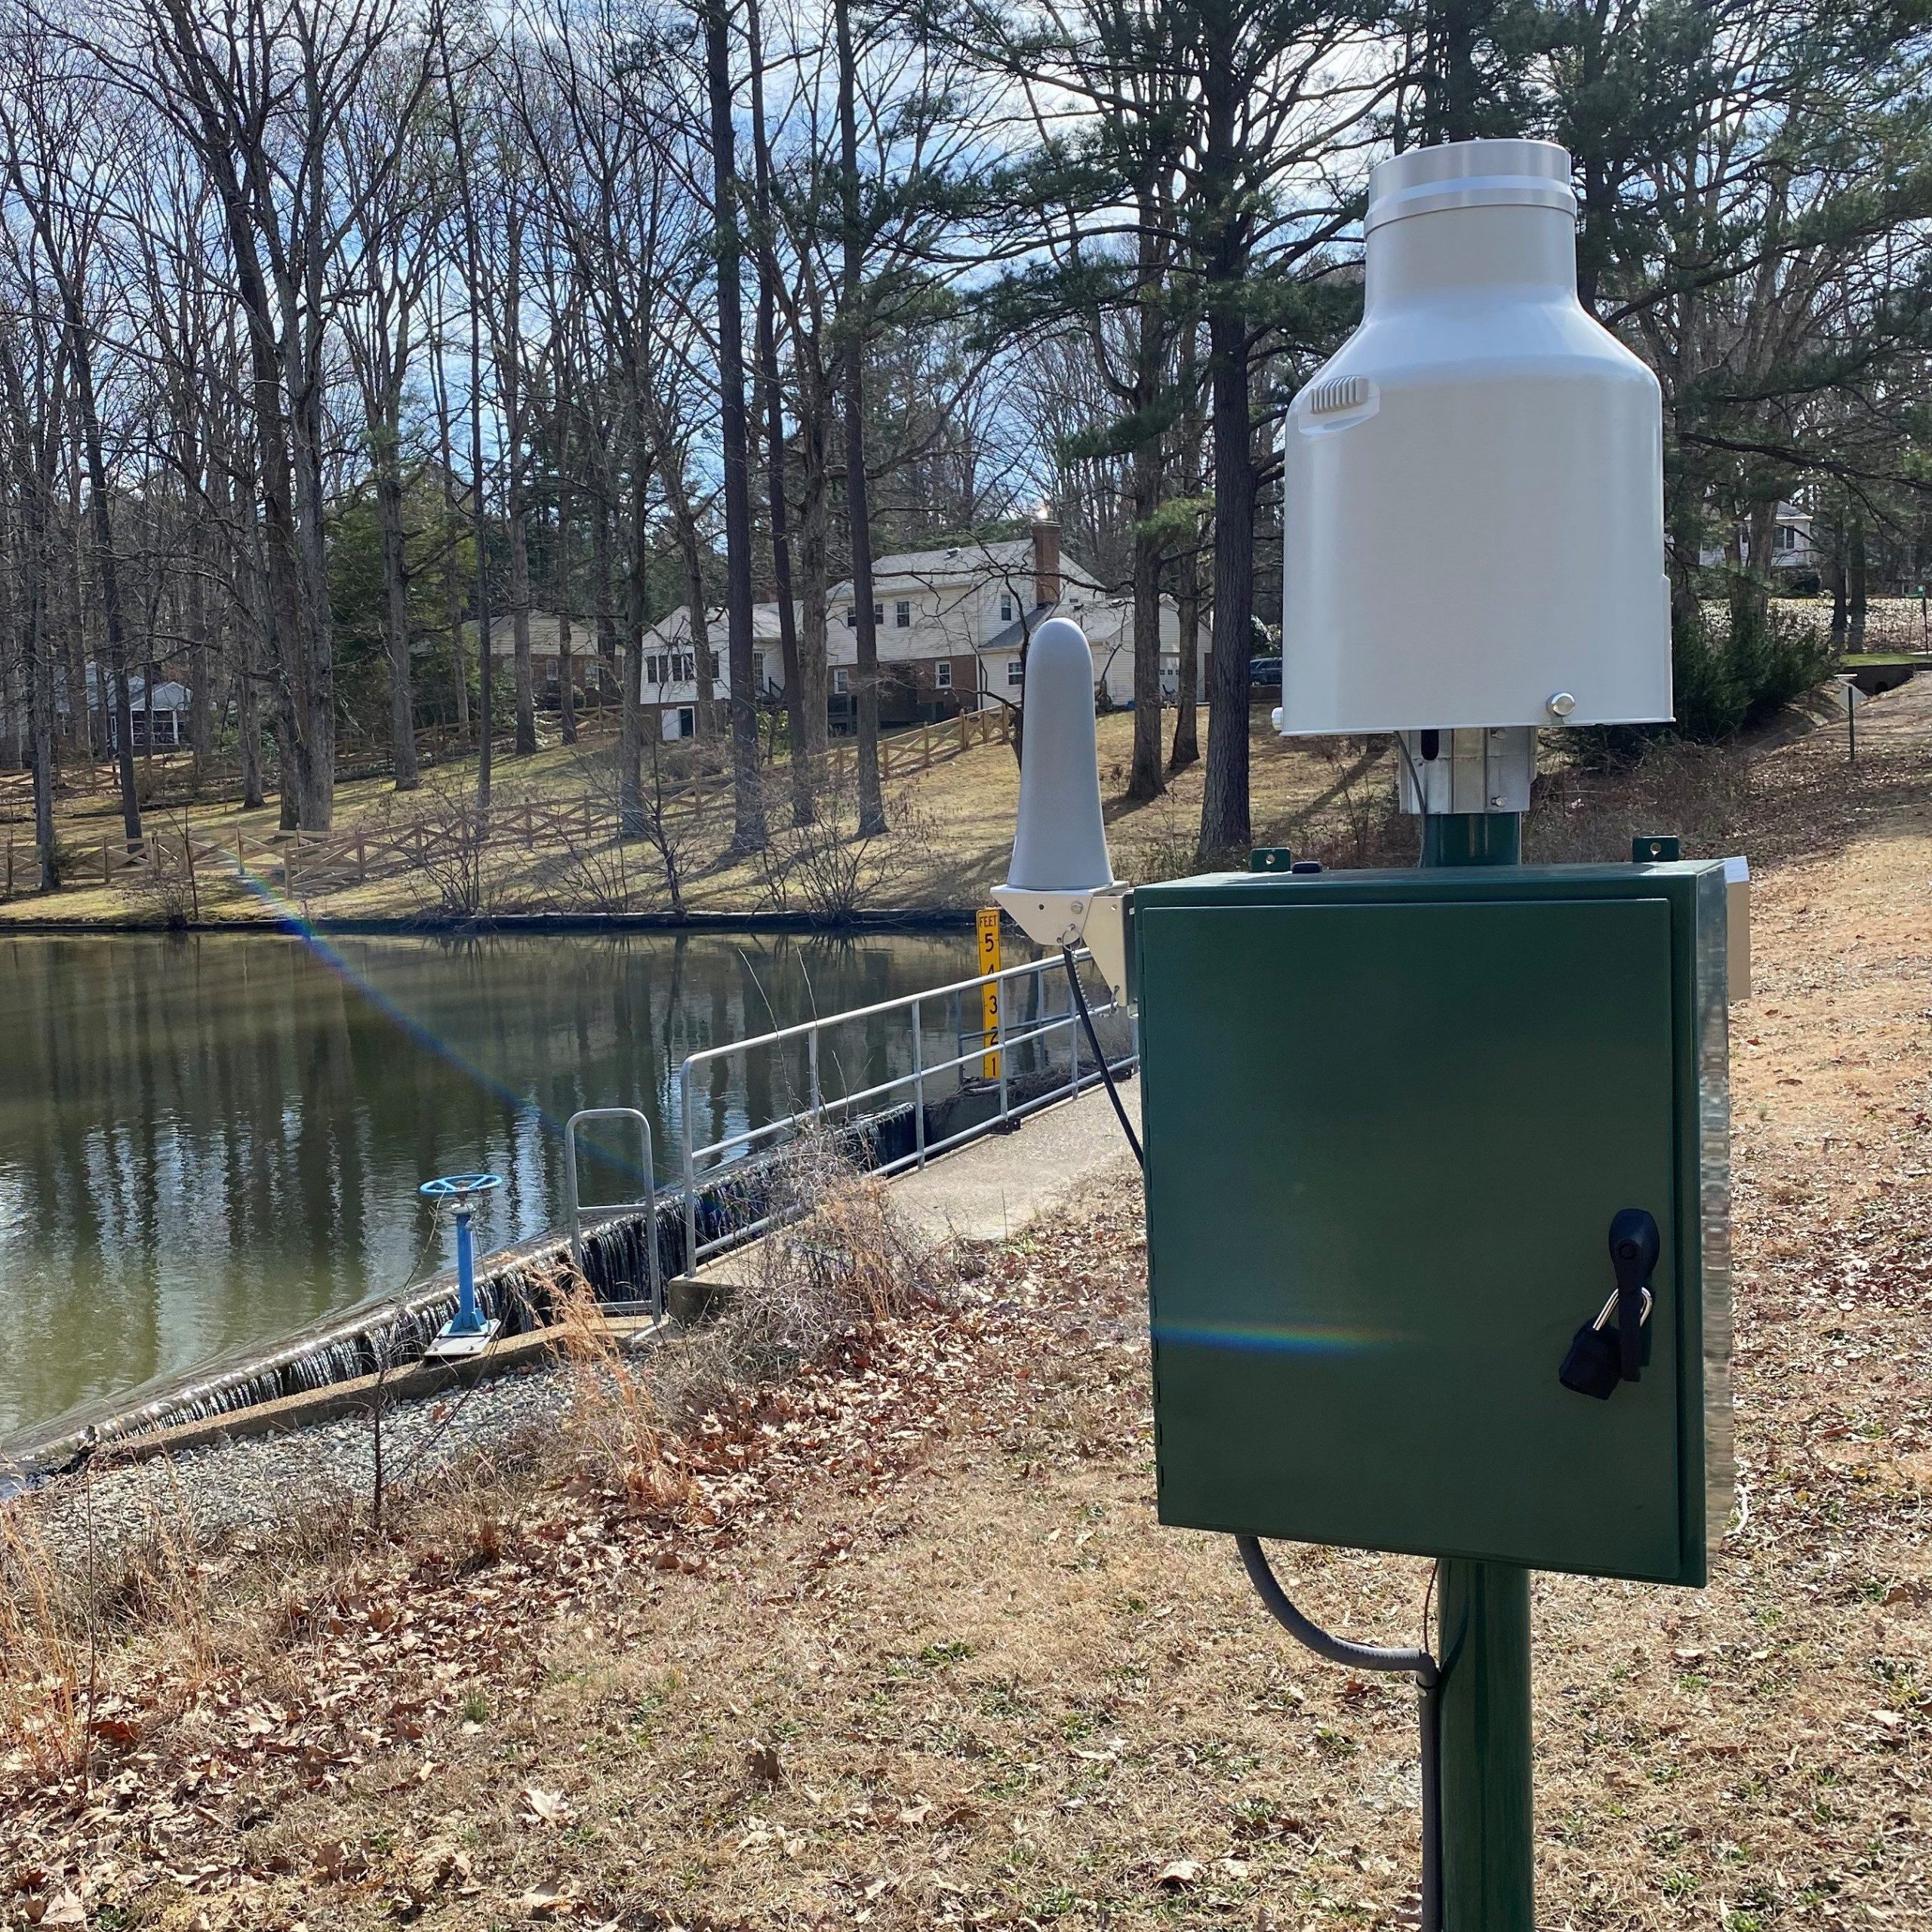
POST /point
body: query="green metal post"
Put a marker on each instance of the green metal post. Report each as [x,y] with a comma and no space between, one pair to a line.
[1472,838]
[1488,1843]
[1488,1838]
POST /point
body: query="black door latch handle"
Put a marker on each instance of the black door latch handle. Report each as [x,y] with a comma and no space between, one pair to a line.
[1600,1357]
[1635,1245]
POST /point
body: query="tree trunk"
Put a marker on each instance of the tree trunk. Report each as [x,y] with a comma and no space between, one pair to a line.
[685,521]
[630,782]
[561,572]
[748,831]
[1835,577]
[473,274]
[40,719]
[1188,590]
[814,544]
[602,582]
[200,699]
[1144,780]
[248,724]
[452,548]
[1224,800]
[1186,748]
[251,572]
[526,678]
[100,520]
[872,802]
[1856,570]
[395,617]
[87,716]
[802,809]
[1750,579]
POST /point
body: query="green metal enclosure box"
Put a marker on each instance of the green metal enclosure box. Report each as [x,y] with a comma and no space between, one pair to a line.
[1389,1117]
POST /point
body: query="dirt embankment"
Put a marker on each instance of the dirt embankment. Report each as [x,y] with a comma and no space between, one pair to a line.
[900,1644]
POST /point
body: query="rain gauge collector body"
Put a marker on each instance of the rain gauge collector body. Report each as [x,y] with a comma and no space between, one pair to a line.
[1436,1160]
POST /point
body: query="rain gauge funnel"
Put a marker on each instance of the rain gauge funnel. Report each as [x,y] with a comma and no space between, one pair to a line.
[1474,482]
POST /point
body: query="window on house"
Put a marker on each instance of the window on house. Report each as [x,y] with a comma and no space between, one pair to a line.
[838,682]
[902,615]
[943,675]
[758,671]
[1006,608]
[687,666]
[653,668]
[851,616]
[878,614]
[1016,671]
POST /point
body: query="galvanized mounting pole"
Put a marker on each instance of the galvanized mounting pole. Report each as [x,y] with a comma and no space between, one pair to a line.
[1488,1838]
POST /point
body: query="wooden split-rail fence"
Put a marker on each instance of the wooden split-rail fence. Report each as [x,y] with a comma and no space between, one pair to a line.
[307,862]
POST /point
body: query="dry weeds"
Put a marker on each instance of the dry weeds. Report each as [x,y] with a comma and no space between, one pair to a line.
[902,1646]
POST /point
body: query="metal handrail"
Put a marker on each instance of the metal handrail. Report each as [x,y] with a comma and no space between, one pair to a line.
[999,1045]
[647,1206]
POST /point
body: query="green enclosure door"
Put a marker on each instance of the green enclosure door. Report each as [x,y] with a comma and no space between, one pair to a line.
[1385,1143]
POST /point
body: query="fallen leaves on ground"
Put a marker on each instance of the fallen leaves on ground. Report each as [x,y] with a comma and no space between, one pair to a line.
[899,1644]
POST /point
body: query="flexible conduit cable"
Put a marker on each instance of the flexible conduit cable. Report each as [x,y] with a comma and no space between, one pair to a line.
[1417,1663]
[1094,1040]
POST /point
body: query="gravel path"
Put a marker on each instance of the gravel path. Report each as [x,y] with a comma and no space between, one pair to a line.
[256,1482]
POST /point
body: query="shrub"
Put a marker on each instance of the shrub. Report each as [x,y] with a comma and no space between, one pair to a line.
[831,868]
[448,841]
[1732,673]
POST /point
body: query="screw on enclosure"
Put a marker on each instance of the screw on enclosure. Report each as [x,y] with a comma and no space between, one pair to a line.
[1562,704]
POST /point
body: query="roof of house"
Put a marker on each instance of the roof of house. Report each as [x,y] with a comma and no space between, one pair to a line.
[543,634]
[170,694]
[966,563]
[1102,618]
[675,627]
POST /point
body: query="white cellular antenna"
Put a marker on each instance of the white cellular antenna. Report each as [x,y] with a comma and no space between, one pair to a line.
[1060,869]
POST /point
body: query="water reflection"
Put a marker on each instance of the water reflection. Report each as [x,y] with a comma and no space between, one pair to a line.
[206,1141]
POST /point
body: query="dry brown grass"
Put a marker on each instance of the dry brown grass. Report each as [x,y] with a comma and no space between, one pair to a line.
[957,833]
[902,1645]
[1330,799]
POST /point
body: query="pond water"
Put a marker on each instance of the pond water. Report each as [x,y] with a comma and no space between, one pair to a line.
[207,1141]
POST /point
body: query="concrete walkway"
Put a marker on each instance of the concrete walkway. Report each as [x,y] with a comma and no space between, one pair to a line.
[992,1187]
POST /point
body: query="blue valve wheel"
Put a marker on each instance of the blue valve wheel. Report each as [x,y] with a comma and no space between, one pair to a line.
[460,1187]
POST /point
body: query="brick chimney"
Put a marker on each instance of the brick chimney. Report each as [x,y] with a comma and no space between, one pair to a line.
[1046,557]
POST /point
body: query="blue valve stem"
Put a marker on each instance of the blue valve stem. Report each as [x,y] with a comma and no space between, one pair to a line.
[469,1318]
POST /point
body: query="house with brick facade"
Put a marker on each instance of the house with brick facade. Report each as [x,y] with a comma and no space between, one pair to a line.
[952,624]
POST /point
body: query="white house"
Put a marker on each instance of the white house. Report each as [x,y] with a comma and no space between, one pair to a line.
[964,613]
[1792,548]
[669,676]
[951,624]
[168,713]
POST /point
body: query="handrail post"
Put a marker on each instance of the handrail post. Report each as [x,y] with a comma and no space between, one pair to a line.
[811,1061]
[571,1204]
[918,1087]
[999,1048]
[690,1170]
